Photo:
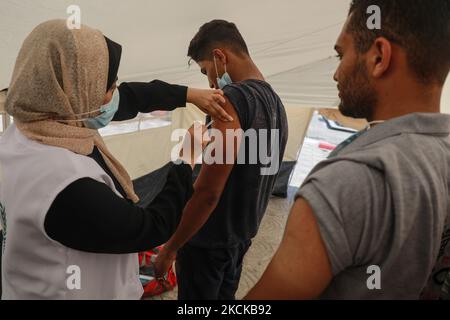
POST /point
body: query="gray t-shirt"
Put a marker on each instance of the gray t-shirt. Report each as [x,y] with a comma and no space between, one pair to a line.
[383,201]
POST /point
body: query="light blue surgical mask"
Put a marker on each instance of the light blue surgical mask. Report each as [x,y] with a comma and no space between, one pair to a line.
[225,79]
[107,113]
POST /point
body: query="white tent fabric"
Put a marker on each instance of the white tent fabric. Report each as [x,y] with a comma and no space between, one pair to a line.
[314,80]
[291,41]
[282,35]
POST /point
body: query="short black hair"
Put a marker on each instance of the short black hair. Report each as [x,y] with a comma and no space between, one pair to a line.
[421,27]
[214,34]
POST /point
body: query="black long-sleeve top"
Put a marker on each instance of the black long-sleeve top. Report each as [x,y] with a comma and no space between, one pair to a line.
[88,216]
[147,97]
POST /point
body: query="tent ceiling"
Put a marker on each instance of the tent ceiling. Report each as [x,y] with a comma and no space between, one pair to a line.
[290,40]
[314,80]
[282,35]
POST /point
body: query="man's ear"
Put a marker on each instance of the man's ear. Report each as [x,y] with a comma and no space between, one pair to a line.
[380,57]
[221,57]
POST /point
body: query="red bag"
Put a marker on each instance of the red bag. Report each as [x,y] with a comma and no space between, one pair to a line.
[152,286]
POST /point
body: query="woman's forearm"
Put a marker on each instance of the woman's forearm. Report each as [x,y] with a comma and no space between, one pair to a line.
[89,216]
[147,97]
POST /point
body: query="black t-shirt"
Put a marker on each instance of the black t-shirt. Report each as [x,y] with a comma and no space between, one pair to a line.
[246,194]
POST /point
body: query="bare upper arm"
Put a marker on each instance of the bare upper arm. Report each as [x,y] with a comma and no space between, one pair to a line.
[300,268]
[215,170]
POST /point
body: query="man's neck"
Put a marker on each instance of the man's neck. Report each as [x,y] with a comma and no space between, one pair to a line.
[245,69]
[405,102]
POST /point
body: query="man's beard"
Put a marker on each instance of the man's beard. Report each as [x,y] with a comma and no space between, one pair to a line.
[358,98]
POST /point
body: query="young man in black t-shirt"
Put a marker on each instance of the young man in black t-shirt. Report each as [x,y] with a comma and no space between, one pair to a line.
[231,193]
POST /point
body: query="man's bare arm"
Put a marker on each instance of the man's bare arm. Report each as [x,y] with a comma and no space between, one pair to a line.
[300,268]
[207,188]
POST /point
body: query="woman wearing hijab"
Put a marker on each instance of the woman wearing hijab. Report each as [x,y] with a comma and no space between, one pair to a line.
[69,205]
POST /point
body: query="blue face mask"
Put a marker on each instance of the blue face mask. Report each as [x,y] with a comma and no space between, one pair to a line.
[225,79]
[107,113]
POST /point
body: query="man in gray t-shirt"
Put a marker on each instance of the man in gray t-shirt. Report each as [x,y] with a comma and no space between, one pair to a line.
[381,207]
[372,221]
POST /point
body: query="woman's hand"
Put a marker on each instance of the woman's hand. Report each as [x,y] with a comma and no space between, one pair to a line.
[209,101]
[195,141]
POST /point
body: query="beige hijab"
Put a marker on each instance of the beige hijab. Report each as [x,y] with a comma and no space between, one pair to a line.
[60,73]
